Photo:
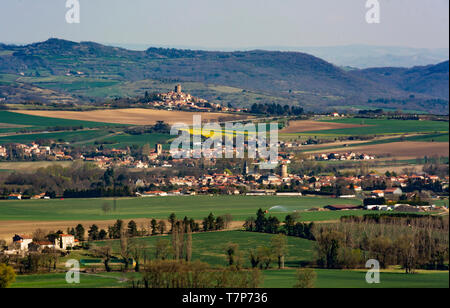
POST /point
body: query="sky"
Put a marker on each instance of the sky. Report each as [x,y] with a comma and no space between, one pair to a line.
[230,24]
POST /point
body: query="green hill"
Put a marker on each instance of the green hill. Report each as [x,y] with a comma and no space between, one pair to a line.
[297,78]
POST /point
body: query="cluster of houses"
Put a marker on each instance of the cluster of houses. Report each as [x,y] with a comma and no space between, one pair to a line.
[122,158]
[390,208]
[22,244]
[343,156]
[253,182]
[34,150]
[102,158]
[178,99]
[105,162]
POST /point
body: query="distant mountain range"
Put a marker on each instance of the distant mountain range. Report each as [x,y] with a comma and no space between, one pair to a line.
[297,78]
[362,56]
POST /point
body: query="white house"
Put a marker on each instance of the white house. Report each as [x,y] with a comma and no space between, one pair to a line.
[64,241]
[393,192]
[15,197]
[22,241]
[154,194]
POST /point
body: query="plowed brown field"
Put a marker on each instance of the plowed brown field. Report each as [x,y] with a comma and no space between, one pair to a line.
[400,150]
[134,116]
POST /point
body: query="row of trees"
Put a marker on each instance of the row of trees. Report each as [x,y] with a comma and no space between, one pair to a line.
[99,192]
[261,257]
[182,274]
[276,109]
[160,127]
[273,225]
[412,242]
[210,223]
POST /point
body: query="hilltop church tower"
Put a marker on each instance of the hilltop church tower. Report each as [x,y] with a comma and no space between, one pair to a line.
[178,89]
[158,149]
[284,171]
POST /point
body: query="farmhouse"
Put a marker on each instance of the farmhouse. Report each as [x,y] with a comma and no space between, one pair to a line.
[21,242]
[3,152]
[289,194]
[378,193]
[393,192]
[15,197]
[261,192]
[154,193]
[64,241]
[40,196]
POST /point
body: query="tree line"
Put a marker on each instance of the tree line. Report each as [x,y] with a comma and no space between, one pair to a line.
[276,109]
[409,241]
[272,225]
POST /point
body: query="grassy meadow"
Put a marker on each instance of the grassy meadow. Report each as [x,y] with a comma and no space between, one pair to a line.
[386,127]
[37,122]
[124,140]
[271,279]
[197,207]
[356,279]
[209,247]
[69,136]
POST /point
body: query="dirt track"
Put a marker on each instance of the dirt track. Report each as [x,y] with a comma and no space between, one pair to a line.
[134,116]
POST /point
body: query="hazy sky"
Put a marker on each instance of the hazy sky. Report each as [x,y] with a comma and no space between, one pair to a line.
[229,23]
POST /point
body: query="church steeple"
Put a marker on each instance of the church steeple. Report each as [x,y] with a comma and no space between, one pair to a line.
[245,170]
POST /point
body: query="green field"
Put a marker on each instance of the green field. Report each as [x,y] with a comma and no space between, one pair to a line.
[69,136]
[124,140]
[57,280]
[272,279]
[31,166]
[356,279]
[197,207]
[68,83]
[210,247]
[7,78]
[89,137]
[37,122]
[383,127]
